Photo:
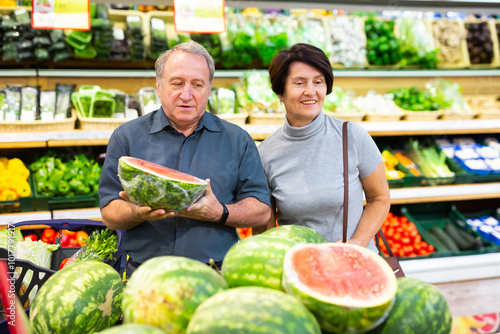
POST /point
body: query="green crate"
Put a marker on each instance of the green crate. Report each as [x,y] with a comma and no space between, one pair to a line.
[425,216]
[48,203]
[461,176]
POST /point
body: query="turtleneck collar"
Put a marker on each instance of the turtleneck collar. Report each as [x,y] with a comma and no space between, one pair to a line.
[306,131]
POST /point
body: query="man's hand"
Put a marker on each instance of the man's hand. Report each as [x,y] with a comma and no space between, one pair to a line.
[208,208]
[144,212]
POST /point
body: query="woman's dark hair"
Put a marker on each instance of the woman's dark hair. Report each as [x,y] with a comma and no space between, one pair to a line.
[301,52]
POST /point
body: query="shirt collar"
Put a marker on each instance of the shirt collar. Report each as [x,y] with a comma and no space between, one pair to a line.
[161,121]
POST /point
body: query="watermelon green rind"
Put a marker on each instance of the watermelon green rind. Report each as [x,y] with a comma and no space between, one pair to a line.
[165,291]
[419,308]
[83,298]
[256,261]
[132,329]
[297,233]
[344,314]
[156,186]
[252,310]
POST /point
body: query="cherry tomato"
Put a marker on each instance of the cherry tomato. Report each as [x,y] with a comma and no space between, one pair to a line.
[66,261]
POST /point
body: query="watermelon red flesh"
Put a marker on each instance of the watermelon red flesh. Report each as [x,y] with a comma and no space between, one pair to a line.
[333,274]
[156,186]
[349,288]
[159,170]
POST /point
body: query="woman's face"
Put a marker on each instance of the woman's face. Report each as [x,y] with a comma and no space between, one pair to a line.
[304,94]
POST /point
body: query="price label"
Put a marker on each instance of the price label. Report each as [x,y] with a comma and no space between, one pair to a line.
[61,14]
[199,16]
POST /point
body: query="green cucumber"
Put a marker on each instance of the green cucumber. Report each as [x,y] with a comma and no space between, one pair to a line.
[437,243]
[463,242]
[445,238]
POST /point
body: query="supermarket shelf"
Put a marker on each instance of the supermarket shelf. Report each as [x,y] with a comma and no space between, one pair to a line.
[258,132]
[445,193]
[339,73]
[453,268]
[439,6]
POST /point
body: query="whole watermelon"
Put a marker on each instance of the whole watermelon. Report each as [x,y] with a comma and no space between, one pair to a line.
[256,261]
[297,233]
[83,298]
[252,310]
[147,183]
[165,291]
[133,329]
[349,288]
[419,308]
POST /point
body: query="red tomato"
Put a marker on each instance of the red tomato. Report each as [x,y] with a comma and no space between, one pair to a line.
[31,237]
[66,261]
[81,236]
[48,235]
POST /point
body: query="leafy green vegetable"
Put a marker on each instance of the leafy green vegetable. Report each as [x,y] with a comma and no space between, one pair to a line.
[447,94]
[9,238]
[432,162]
[101,245]
[417,44]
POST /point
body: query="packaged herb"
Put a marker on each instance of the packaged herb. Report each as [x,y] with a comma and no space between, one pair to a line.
[41,54]
[13,98]
[121,103]
[30,102]
[42,41]
[9,51]
[47,105]
[134,24]
[148,100]
[56,35]
[7,22]
[63,100]
[158,30]
[227,100]
[103,104]
[213,103]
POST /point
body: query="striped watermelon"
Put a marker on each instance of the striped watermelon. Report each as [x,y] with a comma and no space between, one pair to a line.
[165,291]
[419,308]
[297,233]
[82,298]
[147,183]
[133,329]
[256,261]
[349,288]
[252,310]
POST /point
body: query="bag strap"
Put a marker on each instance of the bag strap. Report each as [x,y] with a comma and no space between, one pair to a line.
[384,240]
[346,180]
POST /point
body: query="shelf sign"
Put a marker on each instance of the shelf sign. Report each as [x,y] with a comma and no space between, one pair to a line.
[199,16]
[60,14]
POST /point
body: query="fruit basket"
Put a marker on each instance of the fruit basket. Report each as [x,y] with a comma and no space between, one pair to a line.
[347,42]
[67,124]
[98,123]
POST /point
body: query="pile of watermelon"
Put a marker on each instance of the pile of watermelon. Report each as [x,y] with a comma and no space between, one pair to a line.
[286,280]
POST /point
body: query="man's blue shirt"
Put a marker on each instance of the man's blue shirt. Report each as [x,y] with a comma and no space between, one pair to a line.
[218,150]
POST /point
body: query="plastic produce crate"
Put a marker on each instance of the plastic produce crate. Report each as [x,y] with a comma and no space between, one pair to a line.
[76,224]
[426,216]
[47,203]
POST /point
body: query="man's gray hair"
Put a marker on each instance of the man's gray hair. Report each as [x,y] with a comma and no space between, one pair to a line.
[191,47]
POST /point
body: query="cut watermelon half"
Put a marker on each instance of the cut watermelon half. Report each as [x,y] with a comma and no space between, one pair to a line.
[147,183]
[349,288]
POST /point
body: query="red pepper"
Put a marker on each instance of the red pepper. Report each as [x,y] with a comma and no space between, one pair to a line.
[48,235]
[66,262]
[31,237]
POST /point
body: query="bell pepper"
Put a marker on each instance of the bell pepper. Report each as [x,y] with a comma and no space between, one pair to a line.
[49,236]
[31,237]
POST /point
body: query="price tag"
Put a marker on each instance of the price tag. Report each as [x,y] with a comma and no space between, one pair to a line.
[199,16]
[60,14]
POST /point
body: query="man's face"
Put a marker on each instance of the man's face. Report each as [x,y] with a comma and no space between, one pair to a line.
[184,89]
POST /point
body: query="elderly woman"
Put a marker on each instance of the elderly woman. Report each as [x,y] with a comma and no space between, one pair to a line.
[303,159]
